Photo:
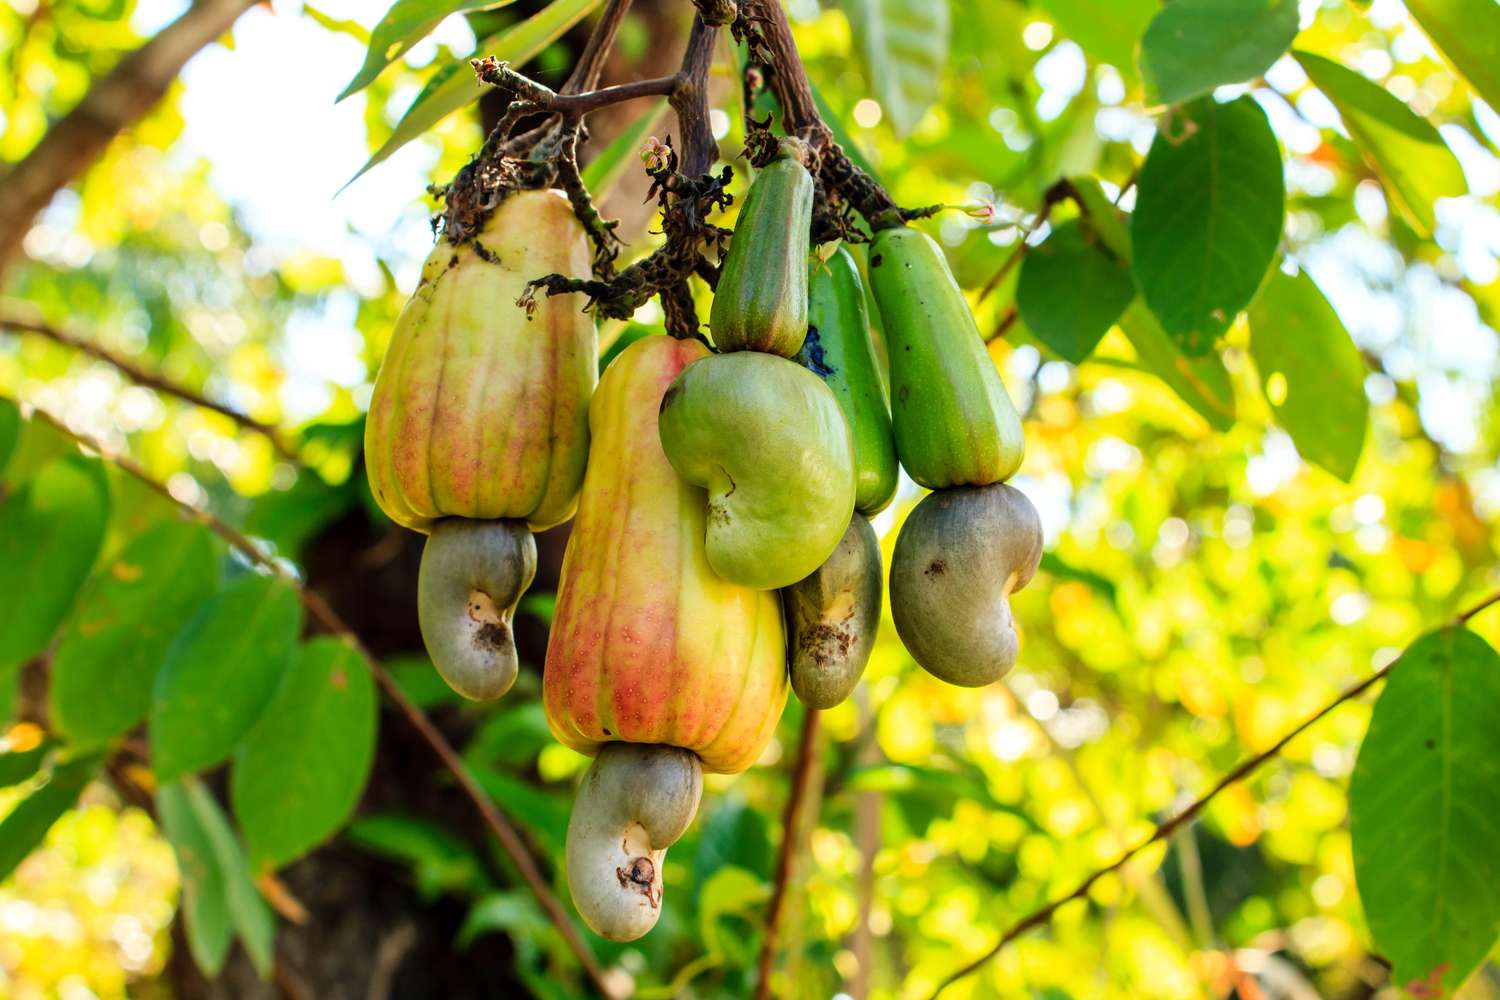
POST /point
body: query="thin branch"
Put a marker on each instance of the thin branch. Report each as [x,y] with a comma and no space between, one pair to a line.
[1167,828]
[113,103]
[319,608]
[807,753]
[585,75]
[143,376]
[536,97]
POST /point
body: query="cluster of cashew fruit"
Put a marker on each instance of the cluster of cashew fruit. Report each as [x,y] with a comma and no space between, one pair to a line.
[721,548]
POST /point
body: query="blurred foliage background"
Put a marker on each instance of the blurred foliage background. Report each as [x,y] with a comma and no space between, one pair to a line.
[1204,589]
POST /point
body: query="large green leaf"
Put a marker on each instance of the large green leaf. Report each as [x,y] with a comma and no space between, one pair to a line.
[17,766]
[301,770]
[1311,371]
[601,173]
[1207,218]
[454,86]
[1071,289]
[1193,46]
[1424,811]
[107,659]
[220,673]
[440,861]
[1414,164]
[1203,382]
[50,533]
[404,25]
[219,898]
[903,45]
[24,826]
[1468,33]
[10,429]
[1107,31]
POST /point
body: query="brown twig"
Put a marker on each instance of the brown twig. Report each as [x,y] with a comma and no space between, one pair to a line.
[1168,827]
[141,376]
[807,753]
[319,609]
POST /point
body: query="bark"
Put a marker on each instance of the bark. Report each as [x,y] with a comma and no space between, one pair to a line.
[114,103]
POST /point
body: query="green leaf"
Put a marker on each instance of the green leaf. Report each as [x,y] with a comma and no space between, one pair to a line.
[729,891]
[1208,215]
[114,644]
[301,771]
[512,736]
[220,673]
[1311,371]
[10,429]
[1404,148]
[610,165]
[50,533]
[440,861]
[903,45]
[1203,383]
[1424,811]
[420,681]
[1071,289]
[404,25]
[37,443]
[515,912]
[25,826]
[733,834]
[841,134]
[219,897]
[1064,570]
[289,518]
[1468,33]
[1107,31]
[544,814]
[17,766]
[454,86]
[1193,46]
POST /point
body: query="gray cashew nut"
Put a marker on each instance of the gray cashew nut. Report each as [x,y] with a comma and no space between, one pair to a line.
[960,555]
[634,803]
[473,574]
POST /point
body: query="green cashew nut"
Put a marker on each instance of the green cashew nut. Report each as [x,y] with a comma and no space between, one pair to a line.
[634,803]
[960,555]
[832,617]
[768,441]
[473,574]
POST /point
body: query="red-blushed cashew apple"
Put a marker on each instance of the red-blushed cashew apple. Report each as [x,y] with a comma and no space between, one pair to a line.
[648,644]
[472,575]
[480,414]
[960,555]
[635,801]
[832,617]
[768,440]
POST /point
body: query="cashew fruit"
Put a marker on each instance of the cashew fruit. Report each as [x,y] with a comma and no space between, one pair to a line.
[648,644]
[478,411]
[954,424]
[472,575]
[832,617]
[635,801]
[768,441]
[760,302]
[960,555]
[838,350]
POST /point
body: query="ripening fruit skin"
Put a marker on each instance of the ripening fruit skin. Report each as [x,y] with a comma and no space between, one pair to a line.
[768,441]
[760,302]
[635,801]
[960,555]
[648,644]
[954,424]
[839,351]
[832,617]
[479,412]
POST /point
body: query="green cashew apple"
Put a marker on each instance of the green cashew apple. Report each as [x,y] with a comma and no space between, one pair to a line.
[472,575]
[954,424]
[768,441]
[961,553]
[839,351]
[760,302]
[832,617]
[635,801]
[648,644]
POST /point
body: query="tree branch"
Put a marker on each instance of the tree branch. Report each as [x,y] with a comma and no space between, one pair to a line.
[114,103]
[320,610]
[807,753]
[1167,828]
[142,376]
